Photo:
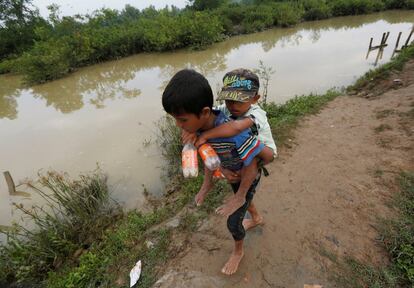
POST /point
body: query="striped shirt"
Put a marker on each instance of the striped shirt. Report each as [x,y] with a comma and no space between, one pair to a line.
[236,151]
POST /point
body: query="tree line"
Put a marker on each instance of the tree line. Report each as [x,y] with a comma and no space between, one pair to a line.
[45,49]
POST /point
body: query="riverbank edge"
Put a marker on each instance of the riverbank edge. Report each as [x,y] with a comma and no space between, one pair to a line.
[34,66]
[161,234]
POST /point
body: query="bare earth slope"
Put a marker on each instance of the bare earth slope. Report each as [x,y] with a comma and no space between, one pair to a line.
[325,193]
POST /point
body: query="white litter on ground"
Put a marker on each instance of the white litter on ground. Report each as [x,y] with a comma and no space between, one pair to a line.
[135,273]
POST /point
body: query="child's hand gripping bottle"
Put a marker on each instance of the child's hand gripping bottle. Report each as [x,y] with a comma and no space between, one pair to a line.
[209,156]
[189,161]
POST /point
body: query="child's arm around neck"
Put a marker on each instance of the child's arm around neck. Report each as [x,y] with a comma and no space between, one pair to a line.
[229,129]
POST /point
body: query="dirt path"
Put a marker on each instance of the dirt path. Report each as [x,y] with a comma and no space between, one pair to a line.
[324,193]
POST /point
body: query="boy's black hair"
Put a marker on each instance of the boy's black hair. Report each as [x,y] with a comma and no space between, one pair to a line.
[187,92]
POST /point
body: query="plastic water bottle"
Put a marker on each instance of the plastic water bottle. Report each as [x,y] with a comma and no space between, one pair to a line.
[217,174]
[209,156]
[189,161]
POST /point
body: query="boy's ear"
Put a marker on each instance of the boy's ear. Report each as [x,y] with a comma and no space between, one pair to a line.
[255,98]
[205,112]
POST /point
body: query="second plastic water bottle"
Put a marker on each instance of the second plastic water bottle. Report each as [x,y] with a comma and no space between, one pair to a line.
[209,156]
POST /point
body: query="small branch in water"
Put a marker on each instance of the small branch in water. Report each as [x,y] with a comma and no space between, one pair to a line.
[12,186]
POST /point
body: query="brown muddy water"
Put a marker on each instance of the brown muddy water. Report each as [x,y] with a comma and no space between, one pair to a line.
[106,113]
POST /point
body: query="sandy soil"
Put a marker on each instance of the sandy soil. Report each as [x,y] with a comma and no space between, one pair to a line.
[325,192]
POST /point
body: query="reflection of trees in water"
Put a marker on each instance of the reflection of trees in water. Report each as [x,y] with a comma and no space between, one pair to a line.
[207,62]
[315,35]
[67,94]
[109,80]
[9,91]
[108,85]
[62,97]
[8,107]
[293,40]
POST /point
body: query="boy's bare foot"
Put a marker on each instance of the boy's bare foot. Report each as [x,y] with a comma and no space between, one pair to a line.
[250,223]
[232,264]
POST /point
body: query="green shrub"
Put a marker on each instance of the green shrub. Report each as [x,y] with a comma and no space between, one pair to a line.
[200,29]
[355,7]
[257,19]
[46,61]
[8,65]
[399,4]
[316,10]
[231,16]
[157,33]
[286,14]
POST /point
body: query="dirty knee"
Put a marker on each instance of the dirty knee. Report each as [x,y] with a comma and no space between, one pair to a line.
[234,224]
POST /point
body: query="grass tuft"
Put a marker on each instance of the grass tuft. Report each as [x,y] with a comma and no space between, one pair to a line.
[74,216]
[382,128]
[397,236]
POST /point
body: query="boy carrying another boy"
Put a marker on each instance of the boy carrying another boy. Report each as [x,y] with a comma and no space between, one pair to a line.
[189,99]
[240,92]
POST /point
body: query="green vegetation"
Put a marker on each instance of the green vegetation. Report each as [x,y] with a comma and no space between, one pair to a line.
[382,128]
[397,236]
[399,233]
[47,49]
[368,81]
[86,241]
[75,214]
[169,142]
[18,22]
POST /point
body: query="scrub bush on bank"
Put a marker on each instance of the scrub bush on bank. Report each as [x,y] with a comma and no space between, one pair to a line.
[75,214]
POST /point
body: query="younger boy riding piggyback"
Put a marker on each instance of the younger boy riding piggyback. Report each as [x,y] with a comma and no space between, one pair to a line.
[241,93]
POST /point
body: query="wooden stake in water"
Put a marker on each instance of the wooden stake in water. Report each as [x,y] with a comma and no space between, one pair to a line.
[398,40]
[10,182]
[396,45]
[12,186]
[381,46]
[408,39]
[385,39]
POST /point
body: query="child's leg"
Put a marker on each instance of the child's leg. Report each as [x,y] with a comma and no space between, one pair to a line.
[257,219]
[266,155]
[235,226]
